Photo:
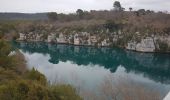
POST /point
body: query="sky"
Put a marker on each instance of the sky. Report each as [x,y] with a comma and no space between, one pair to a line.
[70,6]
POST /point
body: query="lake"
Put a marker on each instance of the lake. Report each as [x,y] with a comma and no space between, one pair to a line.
[87,68]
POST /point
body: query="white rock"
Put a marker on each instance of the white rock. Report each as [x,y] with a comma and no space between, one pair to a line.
[51,38]
[131,46]
[76,39]
[105,43]
[146,45]
[22,37]
[61,39]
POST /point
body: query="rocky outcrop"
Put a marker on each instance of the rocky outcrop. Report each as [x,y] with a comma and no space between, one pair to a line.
[22,37]
[61,38]
[146,45]
[137,42]
[131,46]
[105,43]
[76,39]
[51,38]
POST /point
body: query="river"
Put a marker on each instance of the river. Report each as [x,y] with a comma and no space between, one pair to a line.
[86,68]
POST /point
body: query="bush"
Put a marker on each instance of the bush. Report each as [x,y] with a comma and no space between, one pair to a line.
[163,46]
[5,48]
[23,90]
[64,92]
[31,90]
[36,76]
[112,26]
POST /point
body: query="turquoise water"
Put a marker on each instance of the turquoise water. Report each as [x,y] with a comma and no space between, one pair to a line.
[86,67]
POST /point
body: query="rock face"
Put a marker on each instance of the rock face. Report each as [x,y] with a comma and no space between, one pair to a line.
[115,38]
[22,37]
[105,43]
[38,37]
[146,45]
[76,40]
[61,38]
[131,46]
[51,38]
[93,40]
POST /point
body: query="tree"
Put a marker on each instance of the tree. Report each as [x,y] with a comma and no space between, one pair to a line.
[130,9]
[53,16]
[142,11]
[1,35]
[80,13]
[123,9]
[112,26]
[117,6]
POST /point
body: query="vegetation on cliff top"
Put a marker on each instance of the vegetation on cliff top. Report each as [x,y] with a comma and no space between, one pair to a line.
[146,22]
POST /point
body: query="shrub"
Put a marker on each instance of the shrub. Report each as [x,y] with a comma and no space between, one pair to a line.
[31,90]
[36,76]
[64,92]
[163,46]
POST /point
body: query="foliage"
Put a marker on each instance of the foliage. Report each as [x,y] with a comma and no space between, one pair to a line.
[5,48]
[117,6]
[31,90]
[53,16]
[36,76]
[1,35]
[80,13]
[130,8]
[112,26]
[163,46]
[65,92]
[5,60]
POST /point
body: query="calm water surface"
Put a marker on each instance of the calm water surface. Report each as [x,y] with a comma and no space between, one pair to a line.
[88,67]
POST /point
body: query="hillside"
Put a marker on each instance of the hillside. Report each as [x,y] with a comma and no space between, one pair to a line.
[23,16]
[139,30]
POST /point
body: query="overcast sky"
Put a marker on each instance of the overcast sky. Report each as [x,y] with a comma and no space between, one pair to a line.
[69,6]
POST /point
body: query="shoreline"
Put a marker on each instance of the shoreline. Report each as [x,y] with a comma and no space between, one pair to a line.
[155,52]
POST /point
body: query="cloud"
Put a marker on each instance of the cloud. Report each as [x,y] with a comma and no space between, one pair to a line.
[66,6]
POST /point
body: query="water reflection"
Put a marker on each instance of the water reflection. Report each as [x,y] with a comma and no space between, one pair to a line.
[153,66]
[87,67]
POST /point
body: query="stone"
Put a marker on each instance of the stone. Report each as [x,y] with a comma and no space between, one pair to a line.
[115,38]
[93,39]
[22,37]
[76,39]
[146,45]
[105,43]
[131,46]
[51,38]
[61,38]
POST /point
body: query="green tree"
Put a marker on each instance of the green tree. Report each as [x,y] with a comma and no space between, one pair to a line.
[117,6]
[111,25]
[130,8]
[53,16]
[141,11]
[36,76]
[1,35]
[5,48]
[80,13]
